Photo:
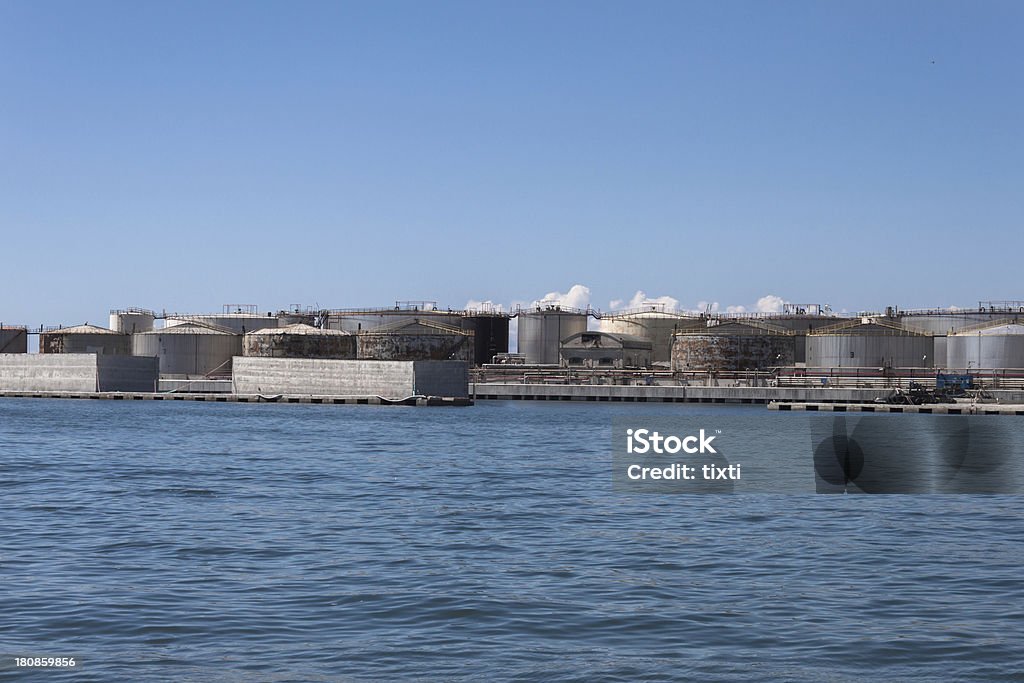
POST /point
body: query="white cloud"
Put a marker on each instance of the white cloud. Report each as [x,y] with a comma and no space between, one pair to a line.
[770,304]
[707,306]
[641,300]
[578,296]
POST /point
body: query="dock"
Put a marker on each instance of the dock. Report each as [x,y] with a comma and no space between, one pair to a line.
[517,391]
[927,409]
[420,401]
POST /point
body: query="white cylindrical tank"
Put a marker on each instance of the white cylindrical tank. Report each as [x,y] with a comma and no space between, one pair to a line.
[656,326]
[542,329]
[190,349]
[869,343]
[949,322]
[132,320]
[992,348]
[239,323]
[368,319]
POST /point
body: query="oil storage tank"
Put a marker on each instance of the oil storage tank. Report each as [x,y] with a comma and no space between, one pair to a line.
[299,341]
[190,349]
[993,347]
[132,320]
[542,329]
[237,318]
[85,339]
[239,323]
[732,345]
[490,334]
[870,343]
[13,339]
[356,320]
[415,340]
[953,320]
[654,323]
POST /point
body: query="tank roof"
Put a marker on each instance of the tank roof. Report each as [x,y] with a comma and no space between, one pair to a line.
[427,325]
[741,327]
[191,328]
[1004,328]
[665,313]
[868,325]
[298,329]
[83,329]
[229,316]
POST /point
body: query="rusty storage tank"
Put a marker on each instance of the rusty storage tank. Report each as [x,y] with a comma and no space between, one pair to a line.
[991,347]
[653,322]
[542,329]
[356,320]
[490,334]
[132,320]
[415,340]
[299,341]
[732,345]
[85,339]
[870,343]
[190,349]
[13,339]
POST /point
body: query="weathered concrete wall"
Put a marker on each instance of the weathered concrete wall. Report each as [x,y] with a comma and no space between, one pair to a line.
[79,372]
[48,372]
[321,377]
[127,373]
[195,386]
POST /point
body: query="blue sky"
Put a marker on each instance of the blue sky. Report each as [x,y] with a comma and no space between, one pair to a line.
[186,155]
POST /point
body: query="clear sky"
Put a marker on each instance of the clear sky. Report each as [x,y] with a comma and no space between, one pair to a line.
[180,155]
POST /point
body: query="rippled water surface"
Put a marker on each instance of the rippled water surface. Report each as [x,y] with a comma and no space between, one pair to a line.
[197,542]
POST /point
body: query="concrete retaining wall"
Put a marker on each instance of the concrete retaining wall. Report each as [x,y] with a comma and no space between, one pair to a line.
[321,377]
[76,372]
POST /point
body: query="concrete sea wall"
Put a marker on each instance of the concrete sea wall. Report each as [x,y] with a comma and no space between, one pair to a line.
[322,377]
[77,372]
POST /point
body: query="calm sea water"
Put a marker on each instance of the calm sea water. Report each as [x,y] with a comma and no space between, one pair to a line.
[197,542]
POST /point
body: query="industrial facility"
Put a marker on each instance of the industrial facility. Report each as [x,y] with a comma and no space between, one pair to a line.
[606,350]
[803,344]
